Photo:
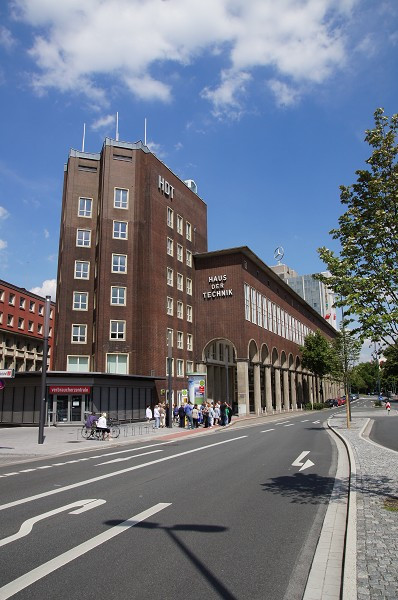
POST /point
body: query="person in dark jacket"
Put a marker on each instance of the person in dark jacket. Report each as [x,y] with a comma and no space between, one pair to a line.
[181,415]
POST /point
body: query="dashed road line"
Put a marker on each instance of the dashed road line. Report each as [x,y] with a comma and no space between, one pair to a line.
[266,430]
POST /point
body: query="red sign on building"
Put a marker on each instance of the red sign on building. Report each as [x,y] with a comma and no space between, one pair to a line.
[69,389]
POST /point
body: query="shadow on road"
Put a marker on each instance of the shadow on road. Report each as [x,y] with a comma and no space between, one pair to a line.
[202,569]
[300,488]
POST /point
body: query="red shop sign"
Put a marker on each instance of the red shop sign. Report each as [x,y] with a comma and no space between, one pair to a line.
[69,389]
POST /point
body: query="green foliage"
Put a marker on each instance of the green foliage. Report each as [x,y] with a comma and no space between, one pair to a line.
[315,406]
[365,275]
[318,355]
[364,377]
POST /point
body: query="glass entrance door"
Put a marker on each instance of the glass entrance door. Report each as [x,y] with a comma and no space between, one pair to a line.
[76,408]
[62,409]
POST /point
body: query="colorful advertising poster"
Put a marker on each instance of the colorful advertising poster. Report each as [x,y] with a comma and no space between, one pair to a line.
[197,388]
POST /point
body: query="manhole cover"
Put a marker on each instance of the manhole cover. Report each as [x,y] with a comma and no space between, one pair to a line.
[391,504]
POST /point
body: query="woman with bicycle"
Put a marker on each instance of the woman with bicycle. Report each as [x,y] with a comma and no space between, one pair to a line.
[102,427]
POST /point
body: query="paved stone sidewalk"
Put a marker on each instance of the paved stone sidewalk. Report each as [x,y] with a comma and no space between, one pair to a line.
[375,483]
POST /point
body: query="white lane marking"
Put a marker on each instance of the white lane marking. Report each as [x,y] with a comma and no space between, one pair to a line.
[305,421]
[289,425]
[298,462]
[281,422]
[27,525]
[9,474]
[315,422]
[114,474]
[27,470]
[45,467]
[110,462]
[266,430]
[31,577]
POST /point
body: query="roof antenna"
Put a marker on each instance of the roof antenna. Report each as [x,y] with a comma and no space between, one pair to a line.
[117,126]
[145,131]
[84,136]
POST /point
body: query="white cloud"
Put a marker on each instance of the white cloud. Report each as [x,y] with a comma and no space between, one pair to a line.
[103,122]
[4,214]
[6,39]
[76,49]
[3,244]
[47,288]
[46,234]
[285,95]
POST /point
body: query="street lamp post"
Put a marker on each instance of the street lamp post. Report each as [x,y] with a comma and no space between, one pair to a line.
[43,394]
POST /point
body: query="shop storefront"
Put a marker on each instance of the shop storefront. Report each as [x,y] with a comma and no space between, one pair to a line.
[68,403]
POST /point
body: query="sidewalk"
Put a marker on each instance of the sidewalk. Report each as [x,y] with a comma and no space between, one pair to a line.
[374,505]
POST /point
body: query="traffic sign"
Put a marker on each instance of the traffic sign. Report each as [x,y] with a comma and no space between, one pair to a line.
[7,373]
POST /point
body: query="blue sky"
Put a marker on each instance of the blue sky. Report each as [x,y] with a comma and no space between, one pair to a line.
[263,103]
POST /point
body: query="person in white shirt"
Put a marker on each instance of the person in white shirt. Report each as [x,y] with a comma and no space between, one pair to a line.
[148,414]
[102,427]
[156,414]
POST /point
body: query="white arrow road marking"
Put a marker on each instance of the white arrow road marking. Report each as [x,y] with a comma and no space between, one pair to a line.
[315,422]
[115,460]
[298,462]
[24,581]
[27,525]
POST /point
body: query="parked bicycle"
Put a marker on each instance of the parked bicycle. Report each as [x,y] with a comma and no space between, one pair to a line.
[92,433]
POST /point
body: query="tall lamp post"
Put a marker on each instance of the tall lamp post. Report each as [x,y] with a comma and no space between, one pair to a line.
[170,363]
[43,394]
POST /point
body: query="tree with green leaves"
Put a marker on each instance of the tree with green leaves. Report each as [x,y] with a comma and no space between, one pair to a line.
[365,275]
[318,355]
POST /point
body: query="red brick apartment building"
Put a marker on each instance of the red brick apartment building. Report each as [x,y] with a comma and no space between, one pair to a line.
[22,329]
[134,268]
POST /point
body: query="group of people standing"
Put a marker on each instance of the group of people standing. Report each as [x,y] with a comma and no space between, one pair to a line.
[191,415]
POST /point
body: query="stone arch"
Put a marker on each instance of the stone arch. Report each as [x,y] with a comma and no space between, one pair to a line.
[264,354]
[219,362]
[252,351]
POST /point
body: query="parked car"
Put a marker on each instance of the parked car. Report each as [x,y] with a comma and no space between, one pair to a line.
[331,402]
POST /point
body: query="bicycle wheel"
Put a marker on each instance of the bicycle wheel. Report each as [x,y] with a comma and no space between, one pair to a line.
[115,431]
[85,432]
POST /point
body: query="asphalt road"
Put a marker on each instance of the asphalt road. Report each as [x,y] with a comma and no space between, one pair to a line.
[235,514]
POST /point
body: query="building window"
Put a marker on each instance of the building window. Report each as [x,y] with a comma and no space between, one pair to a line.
[265,315]
[83,238]
[1,318]
[31,306]
[189,258]
[167,366]
[1,295]
[189,366]
[247,302]
[116,363]
[179,252]
[85,207]
[82,270]
[30,326]
[79,334]
[118,295]
[259,310]
[180,367]
[253,305]
[170,276]
[180,282]
[11,299]
[180,340]
[179,224]
[22,303]
[189,286]
[180,310]
[169,246]
[117,330]
[188,230]
[78,364]
[189,313]
[80,300]
[21,323]
[169,306]
[170,333]
[121,198]
[120,230]
[189,342]
[119,263]
[41,310]
[170,215]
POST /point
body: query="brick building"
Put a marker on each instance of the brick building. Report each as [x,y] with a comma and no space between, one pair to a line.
[22,329]
[134,268]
